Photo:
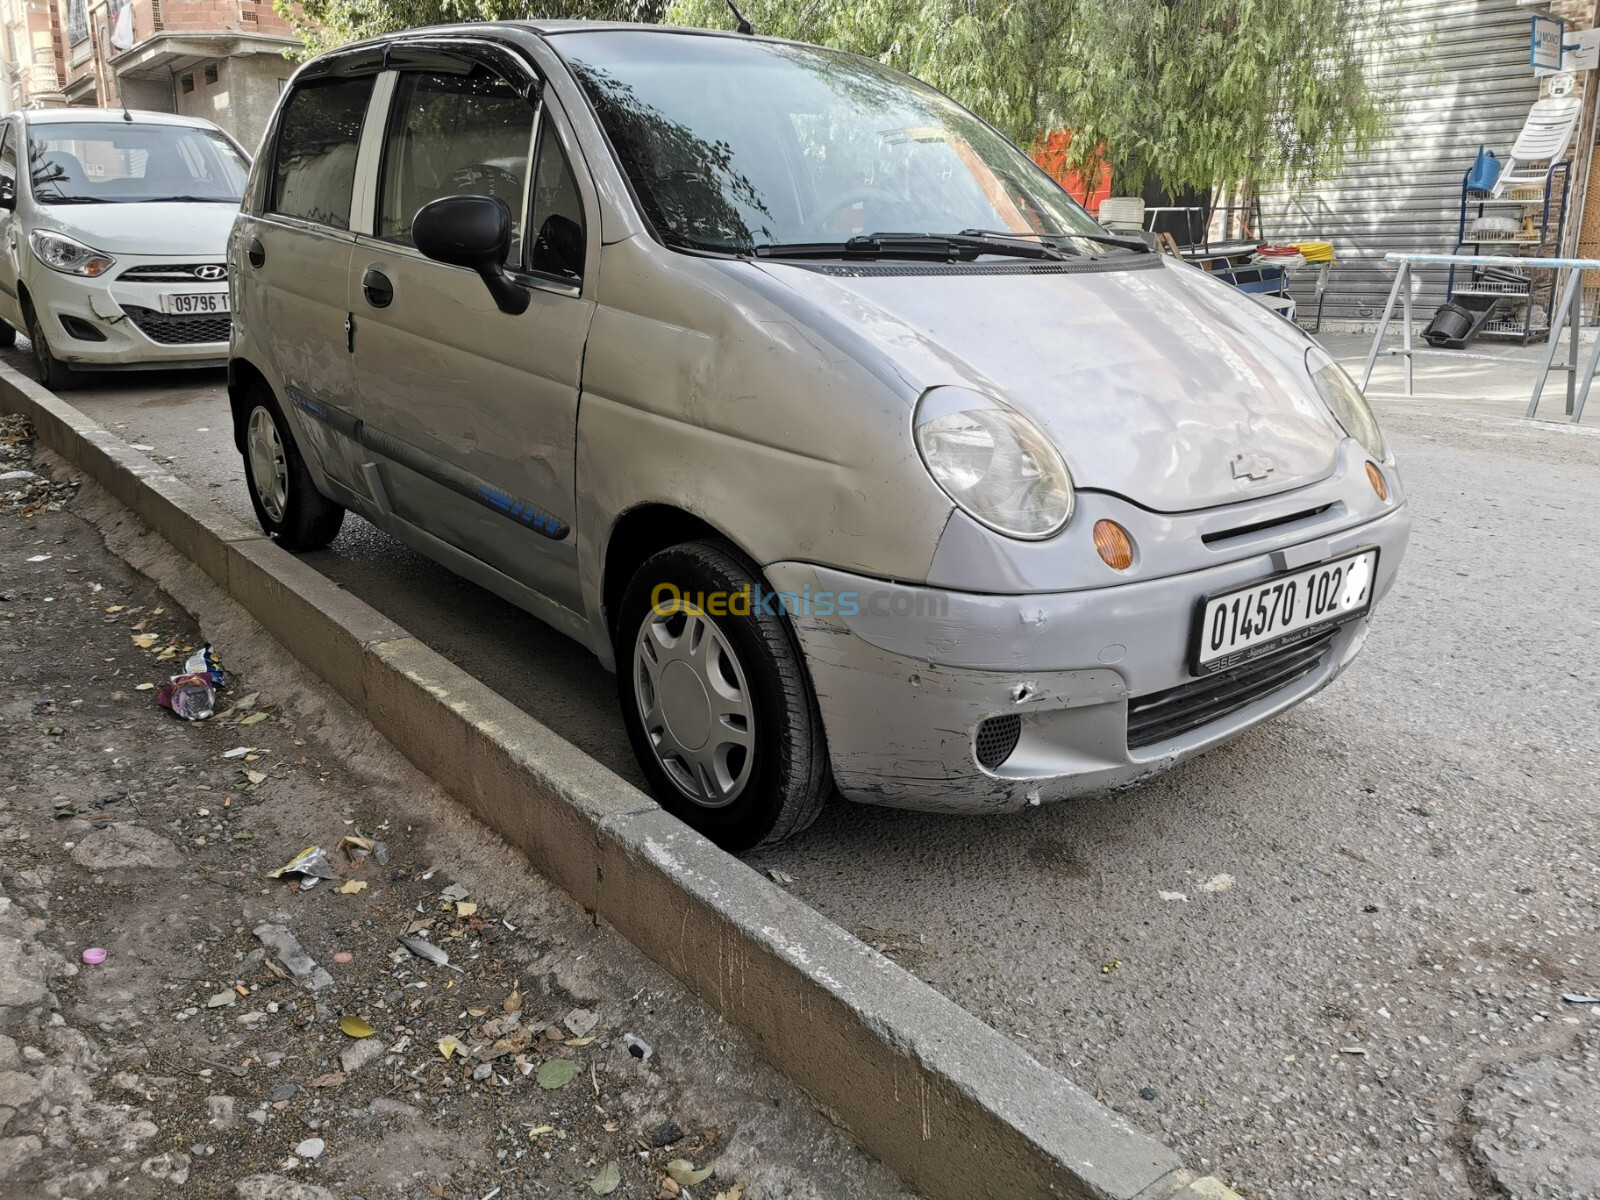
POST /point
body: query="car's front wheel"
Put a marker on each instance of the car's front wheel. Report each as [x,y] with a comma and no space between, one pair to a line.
[719,707]
[287,503]
[54,374]
[8,335]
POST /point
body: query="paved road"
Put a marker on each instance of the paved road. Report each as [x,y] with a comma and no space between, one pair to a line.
[1415,854]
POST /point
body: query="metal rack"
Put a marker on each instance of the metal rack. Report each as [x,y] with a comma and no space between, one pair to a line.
[1539,210]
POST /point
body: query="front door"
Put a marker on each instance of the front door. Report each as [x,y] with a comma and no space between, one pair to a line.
[475,409]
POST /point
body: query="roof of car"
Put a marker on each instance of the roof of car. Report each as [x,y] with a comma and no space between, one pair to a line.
[57,116]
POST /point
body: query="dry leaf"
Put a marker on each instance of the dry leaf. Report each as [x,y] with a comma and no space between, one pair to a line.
[448,1046]
[144,687]
[465,908]
[683,1173]
[736,1192]
[540,1129]
[143,640]
[606,1180]
[248,701]
[253,718]
[329,1081]
[353,886]
[255,776]
[583,1041]
[116,608]
[435,1190]
[513,1003]
[477,1012]
[556,1073]
[355,1027]
[222,998]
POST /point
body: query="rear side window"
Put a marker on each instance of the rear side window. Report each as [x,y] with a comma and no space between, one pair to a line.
[314,162]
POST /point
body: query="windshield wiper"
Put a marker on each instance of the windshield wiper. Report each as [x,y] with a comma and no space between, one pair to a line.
[1132,242]
[186,200]
[930,247]
[75,200]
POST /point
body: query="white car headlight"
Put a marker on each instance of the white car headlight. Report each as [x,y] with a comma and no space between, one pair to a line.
[69,256]
[1340,393]
[998,466]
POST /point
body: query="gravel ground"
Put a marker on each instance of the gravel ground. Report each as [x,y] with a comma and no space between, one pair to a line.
[245,1037]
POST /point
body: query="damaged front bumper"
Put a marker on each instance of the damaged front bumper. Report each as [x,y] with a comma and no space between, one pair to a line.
[118,322]
[914,682]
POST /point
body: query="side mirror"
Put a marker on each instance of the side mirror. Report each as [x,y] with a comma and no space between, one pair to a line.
[472,232]
[8,194]
[559,246]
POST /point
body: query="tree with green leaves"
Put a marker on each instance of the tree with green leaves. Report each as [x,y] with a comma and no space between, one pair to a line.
[325,24]
[1193,93]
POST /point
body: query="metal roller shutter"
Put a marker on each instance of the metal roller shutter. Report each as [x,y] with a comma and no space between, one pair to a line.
[1460,78]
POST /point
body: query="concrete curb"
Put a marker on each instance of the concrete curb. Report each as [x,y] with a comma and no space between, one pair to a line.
[957,1109]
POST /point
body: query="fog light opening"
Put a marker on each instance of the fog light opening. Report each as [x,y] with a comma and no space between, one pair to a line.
[1112,543]
[996,739]
[1375,477]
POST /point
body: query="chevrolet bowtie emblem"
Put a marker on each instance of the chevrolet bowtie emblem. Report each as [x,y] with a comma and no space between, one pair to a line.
[1252,466]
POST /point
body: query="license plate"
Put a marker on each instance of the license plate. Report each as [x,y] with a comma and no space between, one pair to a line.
[194,302]
[1247,622]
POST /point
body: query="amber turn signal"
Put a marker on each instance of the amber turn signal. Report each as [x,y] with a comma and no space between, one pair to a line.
[1375,477]
[1113,544]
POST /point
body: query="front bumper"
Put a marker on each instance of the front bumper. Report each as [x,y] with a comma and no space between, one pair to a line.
[117,323]
[905,681]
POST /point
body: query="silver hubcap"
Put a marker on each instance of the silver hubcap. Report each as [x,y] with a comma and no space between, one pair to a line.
[694,703]
[269,473]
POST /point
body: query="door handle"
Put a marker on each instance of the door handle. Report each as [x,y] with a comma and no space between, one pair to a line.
[256,252]
[376,287]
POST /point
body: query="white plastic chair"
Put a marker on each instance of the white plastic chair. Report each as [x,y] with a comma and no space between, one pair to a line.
[1544,139]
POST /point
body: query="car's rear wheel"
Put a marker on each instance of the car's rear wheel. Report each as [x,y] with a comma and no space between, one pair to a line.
[55,375]
[719,707]
[287,503]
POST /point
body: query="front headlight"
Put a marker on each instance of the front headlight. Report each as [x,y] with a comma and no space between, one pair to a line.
[69,256]
[1340,393]
[997,465]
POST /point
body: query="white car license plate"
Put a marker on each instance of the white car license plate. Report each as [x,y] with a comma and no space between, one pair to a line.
[194,302]
[1247,622]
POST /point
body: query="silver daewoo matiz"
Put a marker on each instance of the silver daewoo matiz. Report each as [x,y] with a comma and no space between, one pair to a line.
[806,401]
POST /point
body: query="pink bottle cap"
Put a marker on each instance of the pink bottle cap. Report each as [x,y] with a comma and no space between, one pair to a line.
[94,956]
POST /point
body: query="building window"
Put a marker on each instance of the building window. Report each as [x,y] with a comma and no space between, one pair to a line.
[186,84]
[211,73]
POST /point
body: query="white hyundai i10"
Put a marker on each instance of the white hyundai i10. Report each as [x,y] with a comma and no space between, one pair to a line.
[113,236]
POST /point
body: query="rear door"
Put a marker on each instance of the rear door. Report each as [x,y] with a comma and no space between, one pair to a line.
[292,257]
[476,408]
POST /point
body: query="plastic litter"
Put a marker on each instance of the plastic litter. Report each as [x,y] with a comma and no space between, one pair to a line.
[637,1047]
[192,697]
[311,864]
[192,694]
[1579,998]
[94,956]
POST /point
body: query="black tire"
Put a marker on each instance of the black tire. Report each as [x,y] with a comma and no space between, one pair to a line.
[291,510]
[788,779]
[54,375]
[8,335]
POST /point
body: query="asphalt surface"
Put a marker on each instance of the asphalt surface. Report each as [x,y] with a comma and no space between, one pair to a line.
[1414,855]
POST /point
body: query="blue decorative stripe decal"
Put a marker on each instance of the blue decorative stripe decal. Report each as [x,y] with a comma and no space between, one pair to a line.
[431,467]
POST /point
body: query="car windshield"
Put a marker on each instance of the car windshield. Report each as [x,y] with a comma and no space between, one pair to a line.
[733,144]
[121,162]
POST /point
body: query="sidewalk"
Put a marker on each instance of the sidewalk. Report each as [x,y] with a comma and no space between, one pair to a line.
[250,1039]
[1501,384]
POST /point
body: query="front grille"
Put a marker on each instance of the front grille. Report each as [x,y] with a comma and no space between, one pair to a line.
[1161,716]
[997,738]
[173,329]
[177,273]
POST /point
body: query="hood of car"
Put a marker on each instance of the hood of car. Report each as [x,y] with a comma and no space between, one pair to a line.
[1156,381]
[188,229]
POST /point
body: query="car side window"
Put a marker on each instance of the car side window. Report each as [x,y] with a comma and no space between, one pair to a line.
[455,135]
[8,163]
[314,162]
[560,235]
